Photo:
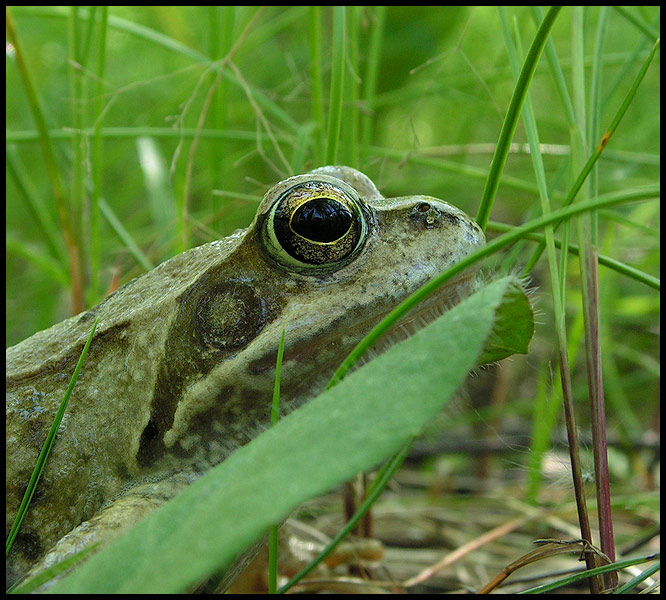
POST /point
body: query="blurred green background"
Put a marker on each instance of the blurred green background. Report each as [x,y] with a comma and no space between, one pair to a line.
[426,89]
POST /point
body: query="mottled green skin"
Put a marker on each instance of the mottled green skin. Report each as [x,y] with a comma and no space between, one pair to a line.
[172,383]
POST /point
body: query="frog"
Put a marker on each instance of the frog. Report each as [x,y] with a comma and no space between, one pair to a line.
[181,368]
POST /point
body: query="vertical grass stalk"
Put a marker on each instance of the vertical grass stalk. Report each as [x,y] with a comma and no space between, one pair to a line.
[76,278]
[350,156]
[337,85]
[589,266]
[78,207]
[221,28]
[371,75]
[559,314]
[316,86]
[97,162]
[511,118]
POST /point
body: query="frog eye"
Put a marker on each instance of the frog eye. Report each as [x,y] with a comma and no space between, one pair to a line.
[315,225]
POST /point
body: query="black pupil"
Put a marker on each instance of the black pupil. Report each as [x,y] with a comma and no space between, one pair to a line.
[321,220]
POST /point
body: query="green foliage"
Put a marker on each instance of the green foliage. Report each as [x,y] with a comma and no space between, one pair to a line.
[512,329]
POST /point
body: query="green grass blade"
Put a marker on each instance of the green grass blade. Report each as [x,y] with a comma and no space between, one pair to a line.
[77,101]
[48,444]
[512,114]
[124,235]
[631,585]
[97,166]
[316,85]
[616,566]
[544,418]
[601,145]
[351,87]
[51,168]
[337,86]
[371,77]
[51,572]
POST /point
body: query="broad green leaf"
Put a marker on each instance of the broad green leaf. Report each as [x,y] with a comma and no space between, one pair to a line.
[350,428]
[513,326]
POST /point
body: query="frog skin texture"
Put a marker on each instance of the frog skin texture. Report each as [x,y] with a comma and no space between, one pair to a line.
[181,368]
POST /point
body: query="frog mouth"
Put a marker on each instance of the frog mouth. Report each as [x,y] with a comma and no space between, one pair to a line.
[424,313]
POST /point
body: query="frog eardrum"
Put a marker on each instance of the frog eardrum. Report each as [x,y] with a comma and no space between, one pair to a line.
[316,226]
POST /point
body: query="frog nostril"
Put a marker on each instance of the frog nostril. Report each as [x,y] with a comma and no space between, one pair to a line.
[426,215]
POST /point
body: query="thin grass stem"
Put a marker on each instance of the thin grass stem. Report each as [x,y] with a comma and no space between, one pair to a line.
[77,207]
[337,85]
[511,119]
[384,476]
[97,161]
[370,79]
[75,273]
[591,303]
[605,138]
[559,315]
[316,85]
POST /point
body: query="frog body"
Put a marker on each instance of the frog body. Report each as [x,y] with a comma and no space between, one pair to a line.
[181,369]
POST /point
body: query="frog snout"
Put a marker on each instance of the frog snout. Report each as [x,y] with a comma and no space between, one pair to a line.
[431,213]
